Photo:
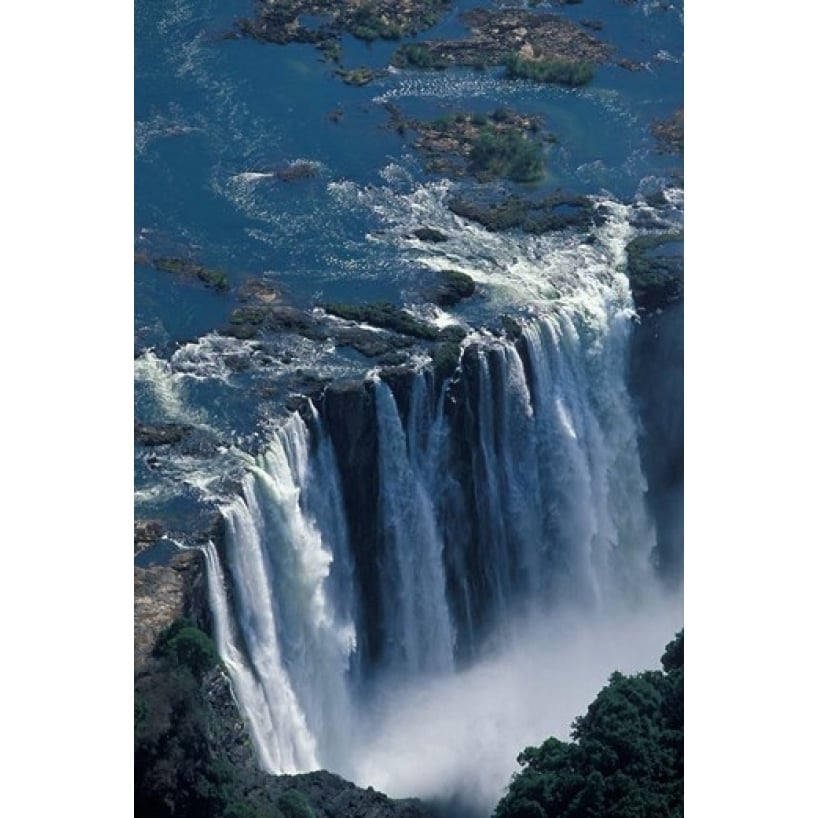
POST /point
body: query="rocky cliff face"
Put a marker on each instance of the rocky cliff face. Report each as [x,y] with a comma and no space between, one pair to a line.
[194,753]
[164,593]
[657,385]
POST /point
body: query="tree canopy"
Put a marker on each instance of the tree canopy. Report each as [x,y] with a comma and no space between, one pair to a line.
[626,757]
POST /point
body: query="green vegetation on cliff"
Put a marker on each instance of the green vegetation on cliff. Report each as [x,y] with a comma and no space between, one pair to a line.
[626,759]
[175,771]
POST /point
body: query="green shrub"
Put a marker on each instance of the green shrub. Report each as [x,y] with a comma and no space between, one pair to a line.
[626,757]
[561,72]
[417,55]
[183,643]
[508,154]
[294,804]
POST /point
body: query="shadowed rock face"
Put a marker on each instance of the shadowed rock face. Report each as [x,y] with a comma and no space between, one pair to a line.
[657,385]
[348,411]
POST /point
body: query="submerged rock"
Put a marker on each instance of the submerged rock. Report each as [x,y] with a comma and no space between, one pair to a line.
[670,133]
[185,268]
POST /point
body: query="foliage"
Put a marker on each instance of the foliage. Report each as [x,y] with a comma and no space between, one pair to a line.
[294,804]
[175,773]
[626,757]
[418,55]
[561,72]
[186,645]
[366,24]
[507,153]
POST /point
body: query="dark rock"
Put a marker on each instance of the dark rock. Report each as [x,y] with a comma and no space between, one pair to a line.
[248,321]
[297,171]
[161,434]
[555,212]
[446,359]
[185,268]
[385,315]
[498,33]
[512,328]
[375,19]
[258,291]
[369,343]
[670,133]
[454,287]
[146,533]
[430,234]
[359,76]
[656,381]
[656,270]
[347,408]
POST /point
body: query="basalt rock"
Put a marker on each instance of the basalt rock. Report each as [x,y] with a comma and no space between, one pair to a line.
[498,33]
[555,212]
[160,434]
[164,593]
[656,270]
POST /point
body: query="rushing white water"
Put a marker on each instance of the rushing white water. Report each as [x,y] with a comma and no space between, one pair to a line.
[504,500]
[420,630]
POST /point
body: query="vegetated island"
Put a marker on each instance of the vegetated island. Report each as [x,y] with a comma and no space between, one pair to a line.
[531,45]
[500,145]
[322,22]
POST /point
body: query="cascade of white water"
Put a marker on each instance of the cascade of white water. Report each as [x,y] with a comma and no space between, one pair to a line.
[297,643]
[420,630]
[509,497]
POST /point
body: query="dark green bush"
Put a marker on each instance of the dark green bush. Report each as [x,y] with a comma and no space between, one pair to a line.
[508,154]
[186,645]
[294,804]
[561,72]
[626,759]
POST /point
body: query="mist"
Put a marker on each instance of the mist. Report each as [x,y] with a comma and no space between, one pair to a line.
[454,740]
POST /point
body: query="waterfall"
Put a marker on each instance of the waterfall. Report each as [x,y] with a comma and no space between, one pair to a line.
[406,528]
[512,488]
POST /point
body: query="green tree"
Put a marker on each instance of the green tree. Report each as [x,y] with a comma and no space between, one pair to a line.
[625,759]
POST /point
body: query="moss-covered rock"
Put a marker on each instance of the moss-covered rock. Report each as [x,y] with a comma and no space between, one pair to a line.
[497,33]
[185,268]
[656,270]
[359,76]
[323,23]
[453,288]
[500,145]
[385,315]
[555,212]
[446,358]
